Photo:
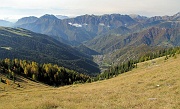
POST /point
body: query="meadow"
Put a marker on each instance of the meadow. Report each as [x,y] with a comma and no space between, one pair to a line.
[154,84]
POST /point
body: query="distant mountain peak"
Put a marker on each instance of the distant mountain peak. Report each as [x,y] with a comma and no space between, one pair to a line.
[30,17]
[48,16]
[26,20]
[62,17]
[5,23]
[136,16]
[178,14]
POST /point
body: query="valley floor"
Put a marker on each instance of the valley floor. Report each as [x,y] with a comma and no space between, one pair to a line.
[154,84]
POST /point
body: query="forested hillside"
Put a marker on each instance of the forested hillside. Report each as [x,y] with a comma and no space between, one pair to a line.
[153,84]
[145,37]
[126,66]
[45,73]
[23,44]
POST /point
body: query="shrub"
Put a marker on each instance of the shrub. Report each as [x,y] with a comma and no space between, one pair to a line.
[18,85]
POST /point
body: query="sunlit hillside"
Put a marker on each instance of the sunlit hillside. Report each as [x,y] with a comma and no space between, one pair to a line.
[154,84]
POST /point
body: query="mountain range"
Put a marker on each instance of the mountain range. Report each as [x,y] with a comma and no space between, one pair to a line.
[86,27]
[116,37]
[79,29]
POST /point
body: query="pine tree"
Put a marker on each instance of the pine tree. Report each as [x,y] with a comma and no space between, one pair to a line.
[34,77]
[13,75]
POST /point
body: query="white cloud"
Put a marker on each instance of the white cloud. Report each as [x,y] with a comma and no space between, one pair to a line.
[75,24]
[101,24]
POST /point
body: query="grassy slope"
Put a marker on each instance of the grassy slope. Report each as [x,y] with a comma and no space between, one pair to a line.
[153,85]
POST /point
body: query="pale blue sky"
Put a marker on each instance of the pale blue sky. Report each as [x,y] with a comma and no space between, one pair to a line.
[14,9]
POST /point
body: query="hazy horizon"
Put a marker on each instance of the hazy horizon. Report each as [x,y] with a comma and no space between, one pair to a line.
[11,10]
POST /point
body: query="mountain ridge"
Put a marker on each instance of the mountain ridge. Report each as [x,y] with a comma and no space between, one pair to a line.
[86,27]
[5,23]
[114,32]
[80,29]
[24,44]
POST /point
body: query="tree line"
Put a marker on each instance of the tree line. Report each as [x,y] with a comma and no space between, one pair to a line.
[130,64]
[46,73]
[59,76]
[170,52]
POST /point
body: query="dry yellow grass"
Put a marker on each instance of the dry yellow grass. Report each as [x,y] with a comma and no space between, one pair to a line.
[153,85]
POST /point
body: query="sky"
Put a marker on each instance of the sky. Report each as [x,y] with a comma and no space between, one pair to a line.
[11,10]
